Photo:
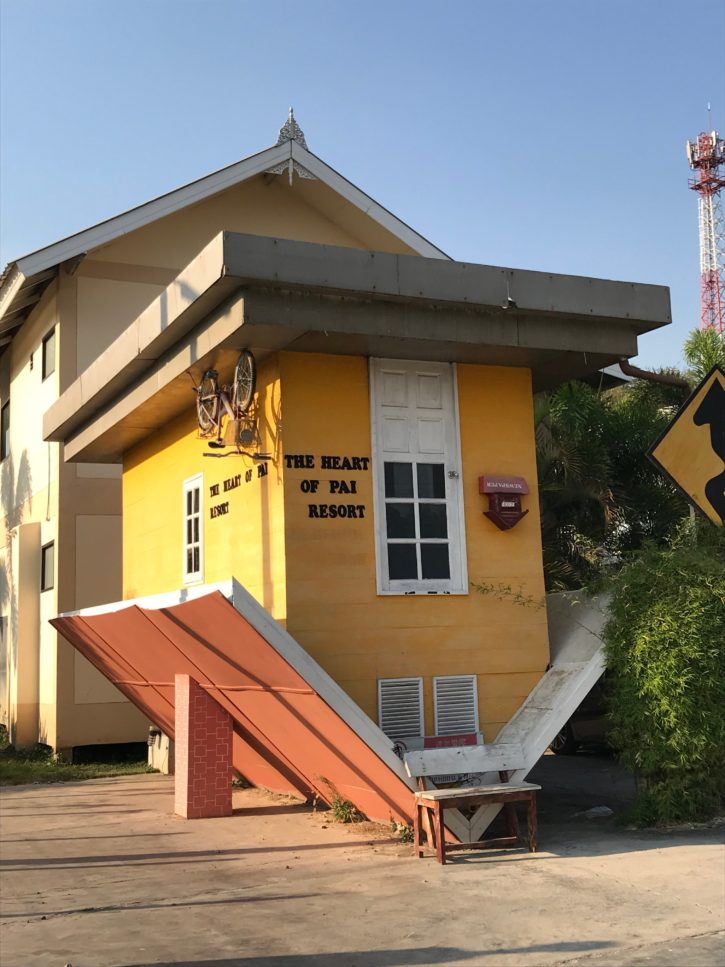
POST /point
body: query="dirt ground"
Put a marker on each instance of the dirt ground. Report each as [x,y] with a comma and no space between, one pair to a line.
[101,873]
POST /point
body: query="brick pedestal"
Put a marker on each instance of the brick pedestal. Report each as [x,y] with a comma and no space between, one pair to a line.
[203,786]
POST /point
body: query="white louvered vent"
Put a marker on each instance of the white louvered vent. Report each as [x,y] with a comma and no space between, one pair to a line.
[456,704]
[400,707]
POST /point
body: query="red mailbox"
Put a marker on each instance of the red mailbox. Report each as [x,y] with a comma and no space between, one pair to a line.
[504,499]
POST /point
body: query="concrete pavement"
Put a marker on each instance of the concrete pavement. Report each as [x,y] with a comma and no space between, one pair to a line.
[101,874]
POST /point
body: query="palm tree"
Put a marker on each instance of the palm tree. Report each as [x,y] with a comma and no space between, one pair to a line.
[703,349]
[600,496]
[573,471]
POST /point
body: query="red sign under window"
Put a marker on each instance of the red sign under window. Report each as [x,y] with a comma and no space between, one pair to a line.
[449,741]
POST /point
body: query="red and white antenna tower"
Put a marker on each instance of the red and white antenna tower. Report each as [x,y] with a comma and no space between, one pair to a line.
[707,159]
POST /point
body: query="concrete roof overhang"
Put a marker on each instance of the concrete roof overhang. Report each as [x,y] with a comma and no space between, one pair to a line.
[268,294]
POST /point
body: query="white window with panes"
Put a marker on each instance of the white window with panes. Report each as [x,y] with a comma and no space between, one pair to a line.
[193,545]
[416,461]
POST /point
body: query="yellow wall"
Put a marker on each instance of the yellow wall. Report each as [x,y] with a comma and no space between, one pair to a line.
[333,609]
[319,574]
[247,541]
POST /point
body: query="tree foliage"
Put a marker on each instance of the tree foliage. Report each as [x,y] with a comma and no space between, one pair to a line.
[601,498]
[608,513]
[703,349]
[665,640]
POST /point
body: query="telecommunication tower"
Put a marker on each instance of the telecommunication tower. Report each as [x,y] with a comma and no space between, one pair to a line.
[707,159]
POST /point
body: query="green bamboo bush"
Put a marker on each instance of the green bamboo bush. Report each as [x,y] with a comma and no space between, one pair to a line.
[665,640]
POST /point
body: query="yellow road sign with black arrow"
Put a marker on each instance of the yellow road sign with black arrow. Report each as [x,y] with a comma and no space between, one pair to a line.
[691,450]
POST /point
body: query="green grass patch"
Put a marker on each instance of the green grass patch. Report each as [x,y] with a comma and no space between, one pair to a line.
[39,765]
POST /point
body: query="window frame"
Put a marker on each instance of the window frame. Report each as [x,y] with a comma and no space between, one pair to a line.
[4,431]
[189,486]
[44,586]
[457,584]
[45,372]
[473,679]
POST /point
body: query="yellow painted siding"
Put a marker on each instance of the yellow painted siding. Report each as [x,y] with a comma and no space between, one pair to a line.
[320,574]
[247,541]
[333,608]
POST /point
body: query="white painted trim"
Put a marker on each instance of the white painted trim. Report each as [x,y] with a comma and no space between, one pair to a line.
[378,501]
[457,535]
[155,602]
[350,192]
[196,191]
[188,486]
[462,543]
[10,288]
[151,211]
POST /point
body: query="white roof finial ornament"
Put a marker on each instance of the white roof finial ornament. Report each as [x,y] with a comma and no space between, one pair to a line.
[291,131]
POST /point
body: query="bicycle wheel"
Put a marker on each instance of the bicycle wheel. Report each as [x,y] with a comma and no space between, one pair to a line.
[245,381]
[207,394]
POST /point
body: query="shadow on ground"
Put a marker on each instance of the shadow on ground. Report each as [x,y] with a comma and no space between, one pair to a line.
[404,957]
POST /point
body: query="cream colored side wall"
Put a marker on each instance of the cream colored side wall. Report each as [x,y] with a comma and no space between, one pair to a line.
[98,576]
[332,606]
[34,461]
[105,308]
[6,592]
[244,538]
[29,500]
[122,278]
[259,207]
[43,671]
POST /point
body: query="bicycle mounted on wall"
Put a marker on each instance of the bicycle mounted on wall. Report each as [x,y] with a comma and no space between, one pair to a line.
[215,403]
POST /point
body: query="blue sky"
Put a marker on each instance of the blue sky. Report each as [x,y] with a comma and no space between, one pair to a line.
[542,135]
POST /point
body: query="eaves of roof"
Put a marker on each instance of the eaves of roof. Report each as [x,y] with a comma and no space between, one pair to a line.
[23,281]
[267,294]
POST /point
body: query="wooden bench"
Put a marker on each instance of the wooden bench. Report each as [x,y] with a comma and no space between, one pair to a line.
[431,804]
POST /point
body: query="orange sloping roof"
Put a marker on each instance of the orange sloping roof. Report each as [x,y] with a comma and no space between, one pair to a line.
[294,730]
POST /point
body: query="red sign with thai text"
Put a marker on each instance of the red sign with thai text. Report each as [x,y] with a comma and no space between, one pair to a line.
[491,484]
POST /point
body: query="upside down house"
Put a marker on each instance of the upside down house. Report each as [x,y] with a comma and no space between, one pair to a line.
[346,430]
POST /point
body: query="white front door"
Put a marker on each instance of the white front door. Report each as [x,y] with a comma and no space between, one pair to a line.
[416,461]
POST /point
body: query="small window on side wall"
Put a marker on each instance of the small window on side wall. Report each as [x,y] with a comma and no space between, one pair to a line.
[48,354]
[193,522]
[47,567]
[5,430]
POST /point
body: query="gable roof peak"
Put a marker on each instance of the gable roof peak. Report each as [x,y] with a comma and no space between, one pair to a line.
[291,131]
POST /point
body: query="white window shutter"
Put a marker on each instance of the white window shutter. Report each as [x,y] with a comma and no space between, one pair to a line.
[400,707]
[456,704]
